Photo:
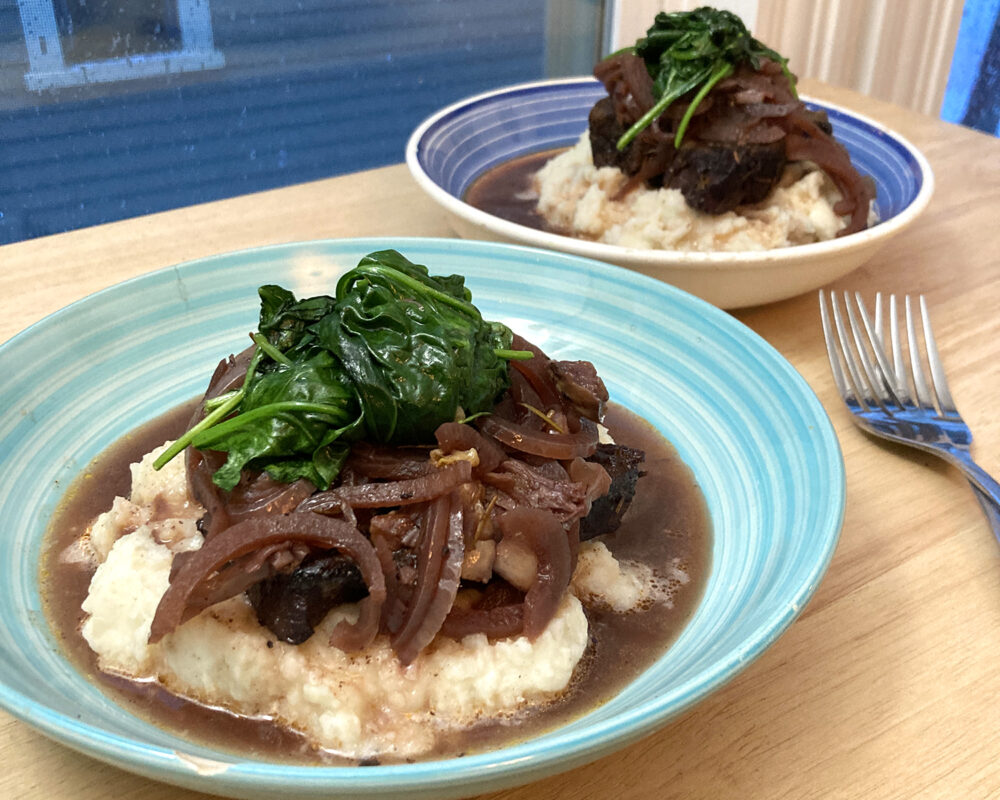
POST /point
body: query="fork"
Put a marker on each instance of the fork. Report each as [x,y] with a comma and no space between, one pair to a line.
[894,400]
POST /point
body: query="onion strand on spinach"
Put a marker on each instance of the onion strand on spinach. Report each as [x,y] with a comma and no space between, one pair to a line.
[689,50]
[395,353]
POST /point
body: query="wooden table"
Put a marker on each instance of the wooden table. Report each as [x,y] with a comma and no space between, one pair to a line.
[887,686]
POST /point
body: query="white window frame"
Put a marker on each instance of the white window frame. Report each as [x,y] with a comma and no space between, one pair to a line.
[50,71]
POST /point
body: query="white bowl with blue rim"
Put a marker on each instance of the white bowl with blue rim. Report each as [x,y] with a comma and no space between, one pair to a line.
[452,148]
[757,439]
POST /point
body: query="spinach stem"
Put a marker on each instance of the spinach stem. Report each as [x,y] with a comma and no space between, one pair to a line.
[270,350]
[207,436]
[722,70]
[471,417]
[215,402]
[419,288]
[668,97]
[514,355]
[220,412]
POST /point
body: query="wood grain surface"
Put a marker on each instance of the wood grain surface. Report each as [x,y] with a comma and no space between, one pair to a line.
[887,686]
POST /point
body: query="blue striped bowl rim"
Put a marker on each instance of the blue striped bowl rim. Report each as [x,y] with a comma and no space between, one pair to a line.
[754,434]
[452,147]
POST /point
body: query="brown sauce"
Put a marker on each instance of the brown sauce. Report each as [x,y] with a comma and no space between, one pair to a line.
[667,523]
[508,190]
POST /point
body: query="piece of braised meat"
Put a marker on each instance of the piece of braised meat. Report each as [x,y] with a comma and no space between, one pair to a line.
[715,178]
[605,131]
[292,605]
[623,465]
[737,143]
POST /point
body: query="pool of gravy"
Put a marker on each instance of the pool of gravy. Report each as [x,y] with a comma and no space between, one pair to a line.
[666,526]
[508,190]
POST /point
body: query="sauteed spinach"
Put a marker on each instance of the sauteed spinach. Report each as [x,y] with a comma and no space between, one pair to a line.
[395,353]
[688,50]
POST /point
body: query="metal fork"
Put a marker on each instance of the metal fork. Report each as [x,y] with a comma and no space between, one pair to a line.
[894,400]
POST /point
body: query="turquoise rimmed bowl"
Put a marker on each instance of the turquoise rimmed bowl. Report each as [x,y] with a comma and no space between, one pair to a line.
[754,434]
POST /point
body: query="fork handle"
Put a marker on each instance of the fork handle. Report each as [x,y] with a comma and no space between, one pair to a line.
[990,508]
[987,489]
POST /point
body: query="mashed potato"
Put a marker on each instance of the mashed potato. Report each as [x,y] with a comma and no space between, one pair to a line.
[578,199]
[359,705]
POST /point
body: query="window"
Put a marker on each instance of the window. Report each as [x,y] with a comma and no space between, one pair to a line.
[115,108]
[75,42]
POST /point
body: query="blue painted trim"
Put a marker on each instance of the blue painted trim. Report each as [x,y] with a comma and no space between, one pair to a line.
[978,17]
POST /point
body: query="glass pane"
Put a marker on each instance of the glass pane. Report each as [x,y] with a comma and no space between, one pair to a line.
[116,108]
[97,30]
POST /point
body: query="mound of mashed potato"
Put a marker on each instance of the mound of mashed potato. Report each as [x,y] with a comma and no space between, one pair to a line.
[360,705]
[578,199]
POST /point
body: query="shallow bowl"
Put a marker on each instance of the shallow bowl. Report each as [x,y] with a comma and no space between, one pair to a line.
[757,439]
[452,148]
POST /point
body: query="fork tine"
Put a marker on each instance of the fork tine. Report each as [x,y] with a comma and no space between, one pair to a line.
[860,389]
[839,379]
[920,387]
[877,388]
[848,382]
[884,374]
[945,402]
[902,373]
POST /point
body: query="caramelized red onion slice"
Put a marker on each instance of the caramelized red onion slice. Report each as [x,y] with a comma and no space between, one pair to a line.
[535,371]
[261,532]
[454,436]
[238,575]
[381,462]
[582,388]
[201,465]
[440,556]
[558,446]
[545,536]
[260,493]
[542,533]
[498,622]
[394,493]
[524,406]
[592,476]
[807,142]
[394,609]
[628,83]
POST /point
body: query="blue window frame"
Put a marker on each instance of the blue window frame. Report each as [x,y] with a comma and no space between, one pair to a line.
[76,42]
[973,94]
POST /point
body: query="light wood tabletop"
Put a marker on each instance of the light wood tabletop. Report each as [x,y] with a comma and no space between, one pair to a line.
[887,685]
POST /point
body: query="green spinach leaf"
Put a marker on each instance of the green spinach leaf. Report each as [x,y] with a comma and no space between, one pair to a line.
[393,355]
[286,424]
[416,348]
[686,51]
